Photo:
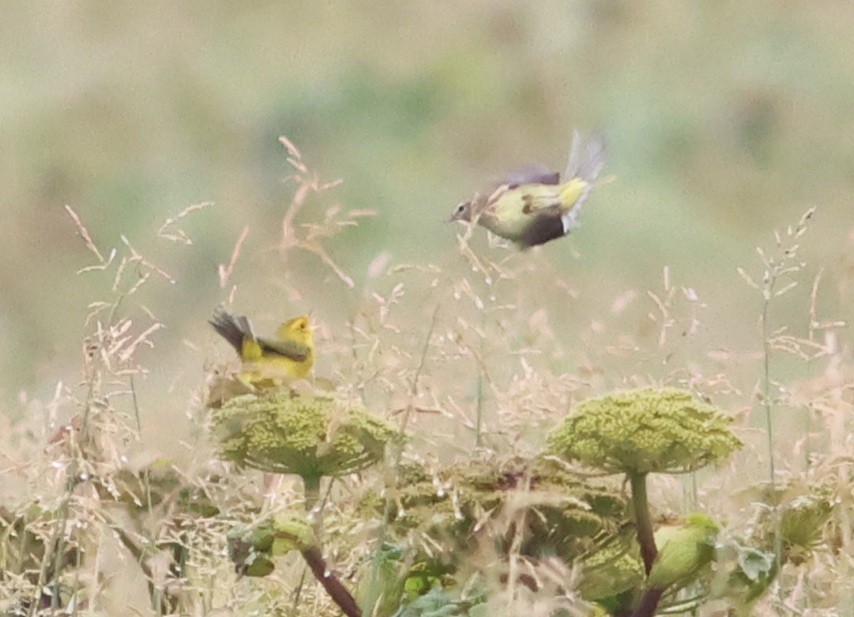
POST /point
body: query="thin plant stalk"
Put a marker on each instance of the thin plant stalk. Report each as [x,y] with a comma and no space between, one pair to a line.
[640,503]
[766,383]
[395,463]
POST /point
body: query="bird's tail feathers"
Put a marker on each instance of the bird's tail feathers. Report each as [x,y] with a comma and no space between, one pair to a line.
[245,325]
[586,160]
[586,156]
[233,328]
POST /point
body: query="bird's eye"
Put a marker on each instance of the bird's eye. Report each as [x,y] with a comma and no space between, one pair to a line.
[461,208]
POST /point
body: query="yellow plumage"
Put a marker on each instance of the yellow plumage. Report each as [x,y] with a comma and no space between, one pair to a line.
[269,361]
[535,206]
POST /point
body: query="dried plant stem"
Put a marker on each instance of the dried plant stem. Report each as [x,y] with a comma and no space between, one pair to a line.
[766,386]
[58,544]
[769,424]
[139,553]
[422,360]
[767,403]
[395,462]
[479,411]
[57,541]
[785,264]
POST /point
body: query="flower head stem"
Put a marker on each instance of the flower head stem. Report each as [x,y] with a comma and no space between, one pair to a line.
[646,540]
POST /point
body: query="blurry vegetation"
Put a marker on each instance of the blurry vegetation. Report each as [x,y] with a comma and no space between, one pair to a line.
[725,119]
[644,415]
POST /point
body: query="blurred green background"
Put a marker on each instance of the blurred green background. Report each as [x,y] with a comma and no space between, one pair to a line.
[726,120]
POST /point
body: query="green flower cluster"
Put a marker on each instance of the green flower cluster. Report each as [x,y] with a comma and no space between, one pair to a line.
[802,524]
[801,511]
[642,431]
[311,436]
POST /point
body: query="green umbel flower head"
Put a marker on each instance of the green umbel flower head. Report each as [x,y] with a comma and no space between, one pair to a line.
[311,436]
[643,431]
[798,511]
[803,511]
[802,523]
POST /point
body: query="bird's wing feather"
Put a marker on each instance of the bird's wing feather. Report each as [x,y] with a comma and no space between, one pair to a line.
[289,349]
[533,174]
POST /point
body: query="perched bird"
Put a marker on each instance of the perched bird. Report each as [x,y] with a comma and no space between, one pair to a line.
[286,358]
[534,206]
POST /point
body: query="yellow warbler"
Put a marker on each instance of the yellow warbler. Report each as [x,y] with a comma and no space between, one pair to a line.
[535,206]
[286,358]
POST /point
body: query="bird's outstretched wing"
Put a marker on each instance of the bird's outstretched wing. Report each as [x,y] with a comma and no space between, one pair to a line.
[533,174]
[288,349]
